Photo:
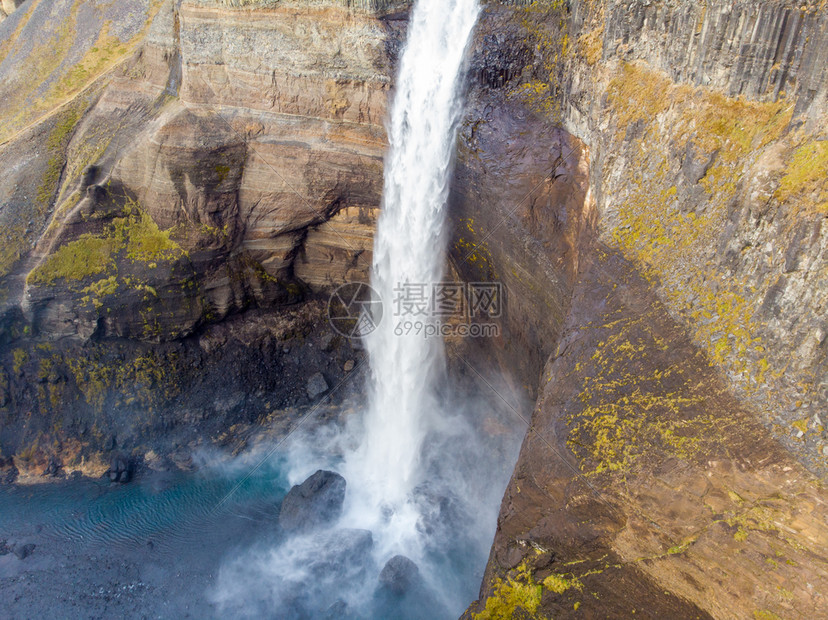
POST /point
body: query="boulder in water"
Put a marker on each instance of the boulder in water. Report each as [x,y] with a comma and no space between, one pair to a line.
[23,550]
[399,574]
[337,611]
[318,500]
[317,385]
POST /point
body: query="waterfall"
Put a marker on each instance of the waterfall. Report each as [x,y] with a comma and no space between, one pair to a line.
[424,475]
[409,254]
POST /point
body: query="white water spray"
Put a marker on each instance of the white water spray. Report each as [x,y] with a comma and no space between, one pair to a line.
[409,248]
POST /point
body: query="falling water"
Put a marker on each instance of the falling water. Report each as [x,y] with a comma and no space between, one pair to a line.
[424,478]
[409,249]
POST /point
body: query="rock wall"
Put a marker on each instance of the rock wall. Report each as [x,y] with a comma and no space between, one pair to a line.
[226,165]
[762,50]
[673,462]
[243,148]
[718,192]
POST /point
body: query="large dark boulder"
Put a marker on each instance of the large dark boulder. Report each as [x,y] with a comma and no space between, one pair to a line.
[399,574]
[120,469]
[317,501]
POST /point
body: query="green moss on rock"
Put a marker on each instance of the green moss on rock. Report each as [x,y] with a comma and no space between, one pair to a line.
[85,257]
[135,237]
[806,176]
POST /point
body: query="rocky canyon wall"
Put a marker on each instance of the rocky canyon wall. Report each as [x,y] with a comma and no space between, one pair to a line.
[198,161]
[673,464]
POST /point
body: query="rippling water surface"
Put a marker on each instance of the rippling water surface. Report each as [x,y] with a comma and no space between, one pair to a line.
[149,548]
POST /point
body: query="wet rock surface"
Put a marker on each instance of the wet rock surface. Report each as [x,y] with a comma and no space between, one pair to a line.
[315,502]
[317,385]
[399,574]
[119,469]
[161,402]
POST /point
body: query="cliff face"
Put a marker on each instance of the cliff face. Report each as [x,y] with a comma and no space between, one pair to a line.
[673,463]
[248,167]
[203,159]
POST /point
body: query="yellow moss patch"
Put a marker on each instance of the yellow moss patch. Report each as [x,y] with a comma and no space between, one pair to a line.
[85,257]
[136,234]
[628,414]
[144,240]
[544,23]
[13,238]
[673,244]
[57,141]
[19,357]
[475,253]
[144,380]
[757,519]
[508,596]
[675,550]
[637,94]
[560,584]
[734,126]
[12,244]
[521,591]
[806,176]
[591,44]
[102,288]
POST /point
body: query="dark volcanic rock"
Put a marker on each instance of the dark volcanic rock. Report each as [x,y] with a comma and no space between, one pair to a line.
[318,500]
[23,550]
[337,610]
[317,385]
[8,472]
[119,469]
[52,469]
[399,574]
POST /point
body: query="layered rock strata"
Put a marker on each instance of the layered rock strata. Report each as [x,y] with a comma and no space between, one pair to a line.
[216,159]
